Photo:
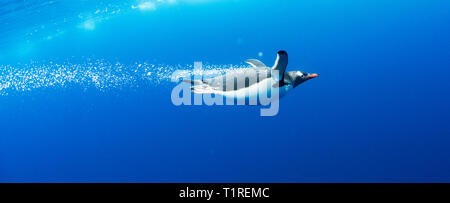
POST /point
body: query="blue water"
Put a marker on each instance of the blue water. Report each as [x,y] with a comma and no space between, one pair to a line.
[85,91]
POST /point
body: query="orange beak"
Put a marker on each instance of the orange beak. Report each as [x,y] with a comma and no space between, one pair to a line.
[313,75]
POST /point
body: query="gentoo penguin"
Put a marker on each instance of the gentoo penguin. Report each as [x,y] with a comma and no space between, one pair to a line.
[252,82]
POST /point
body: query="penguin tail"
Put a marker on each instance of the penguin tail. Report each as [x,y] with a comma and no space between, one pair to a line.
[201,90]
[193,82]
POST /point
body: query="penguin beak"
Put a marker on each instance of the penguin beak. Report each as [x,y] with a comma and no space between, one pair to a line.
[313,75]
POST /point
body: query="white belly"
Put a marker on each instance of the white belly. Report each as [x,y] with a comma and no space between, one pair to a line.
[262,89]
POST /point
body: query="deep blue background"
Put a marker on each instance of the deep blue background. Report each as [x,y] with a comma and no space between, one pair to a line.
[379,111]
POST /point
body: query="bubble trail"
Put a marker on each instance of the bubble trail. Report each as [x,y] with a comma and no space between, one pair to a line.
[100,74]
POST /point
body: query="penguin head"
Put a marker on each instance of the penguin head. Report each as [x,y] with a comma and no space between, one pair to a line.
[296,78]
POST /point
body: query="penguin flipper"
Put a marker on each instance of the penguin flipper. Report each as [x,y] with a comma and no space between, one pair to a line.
[255,63]
[280,65]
